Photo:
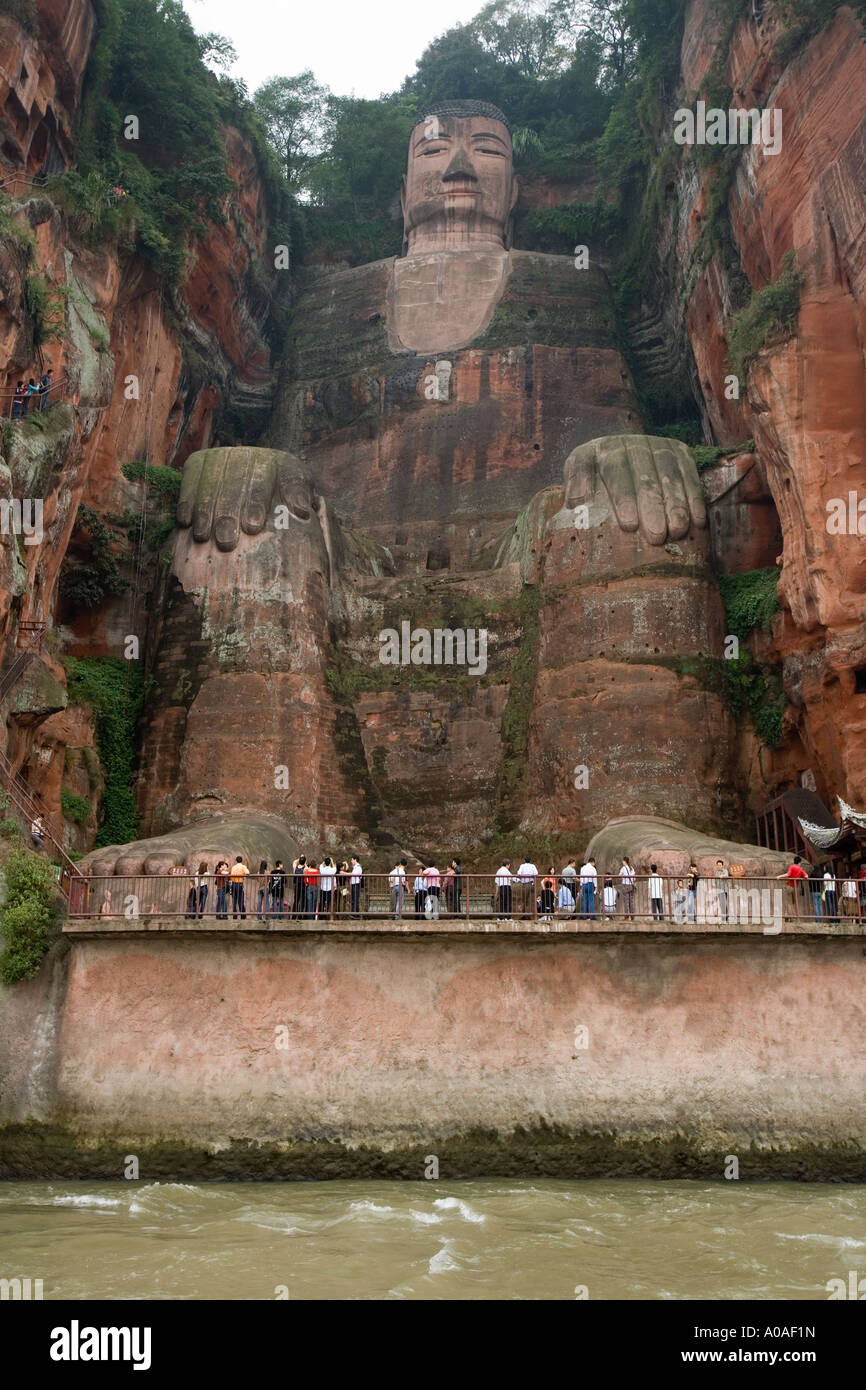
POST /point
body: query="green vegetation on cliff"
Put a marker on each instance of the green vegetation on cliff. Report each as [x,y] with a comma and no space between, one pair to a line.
[31,895]
[148,66]
[75,808]
[115,689]
[751,601]
[87,583]
[771,313]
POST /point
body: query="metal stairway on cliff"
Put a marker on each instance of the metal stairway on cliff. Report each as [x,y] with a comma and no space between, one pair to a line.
[14,786]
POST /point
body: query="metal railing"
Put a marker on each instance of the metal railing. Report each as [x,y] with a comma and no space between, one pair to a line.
[650,898]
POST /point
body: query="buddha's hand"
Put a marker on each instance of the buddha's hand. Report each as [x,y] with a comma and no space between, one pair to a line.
[226,491]
[652,484]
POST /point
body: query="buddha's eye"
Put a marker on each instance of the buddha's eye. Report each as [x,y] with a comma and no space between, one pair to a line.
[479,149]
[440,149]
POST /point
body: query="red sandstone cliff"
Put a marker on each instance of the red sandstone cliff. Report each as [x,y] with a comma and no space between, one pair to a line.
[192,352]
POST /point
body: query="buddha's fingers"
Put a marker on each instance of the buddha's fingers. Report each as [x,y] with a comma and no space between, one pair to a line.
[673,491]
[189,483]
[209,485]
[580,475]
[294,487]
[230,499]
[618,477]
[650,497]
[261,477]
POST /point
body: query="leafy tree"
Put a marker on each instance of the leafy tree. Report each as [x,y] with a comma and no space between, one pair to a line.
[292,111]
[365,153]
[534,38]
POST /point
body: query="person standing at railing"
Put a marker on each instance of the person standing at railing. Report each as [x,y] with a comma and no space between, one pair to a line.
[830,894]
[565,897]
[299,890]
[816,888]
[722,889]
[626,879]
[356,878]
[588,881]
[238,875]
[656,894]
[526,876]
[419,888]
[680,901]
[448,888]
[202,886]
[793,876]
[37,833]
[191,893]
[277,890]
[850,902]
[311,886]
[569,877]
[32,395]
[19,401]
[44,388]
[262,882]
[221,884]
[547,901]
[434,887]
[327,875]
[397,884]
[458,885]
[504,880]
[694,879]
[341,892]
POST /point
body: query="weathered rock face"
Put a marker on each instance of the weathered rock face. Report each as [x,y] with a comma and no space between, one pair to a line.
[806,400]
[40,83]
[123,370]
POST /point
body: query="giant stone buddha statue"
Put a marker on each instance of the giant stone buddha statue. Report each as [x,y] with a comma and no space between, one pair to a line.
[460,415]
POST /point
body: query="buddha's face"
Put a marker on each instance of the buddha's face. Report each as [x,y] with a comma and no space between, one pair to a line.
[459,185]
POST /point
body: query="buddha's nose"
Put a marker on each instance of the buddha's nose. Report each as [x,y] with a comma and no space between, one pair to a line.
[460,168]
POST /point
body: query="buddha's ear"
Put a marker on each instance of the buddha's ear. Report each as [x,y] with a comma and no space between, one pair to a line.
[405,246]
[509,222]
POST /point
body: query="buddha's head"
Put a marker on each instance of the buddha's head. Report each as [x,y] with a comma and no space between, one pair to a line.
[459,188]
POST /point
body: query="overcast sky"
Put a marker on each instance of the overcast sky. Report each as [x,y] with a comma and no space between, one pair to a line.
[364,47]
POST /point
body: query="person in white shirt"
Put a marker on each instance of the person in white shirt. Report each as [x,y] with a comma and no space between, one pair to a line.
[327,874]
[355,880]
[526,876]
[850,904]
[850,898]
[504,880]
[37,833]
[609,898]
[626,878]
[397,880]
[656,894]
[588,880]
[830,895]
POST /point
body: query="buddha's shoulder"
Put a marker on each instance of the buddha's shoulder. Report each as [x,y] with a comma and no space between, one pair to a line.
[546,299]
[340,316]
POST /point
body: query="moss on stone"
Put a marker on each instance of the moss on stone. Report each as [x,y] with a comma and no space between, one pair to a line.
[34,1151]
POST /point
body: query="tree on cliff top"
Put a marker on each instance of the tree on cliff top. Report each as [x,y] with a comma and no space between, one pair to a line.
[292,111]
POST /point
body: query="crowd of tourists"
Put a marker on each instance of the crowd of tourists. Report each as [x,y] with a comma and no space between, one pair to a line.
[311,889]
[33,396]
